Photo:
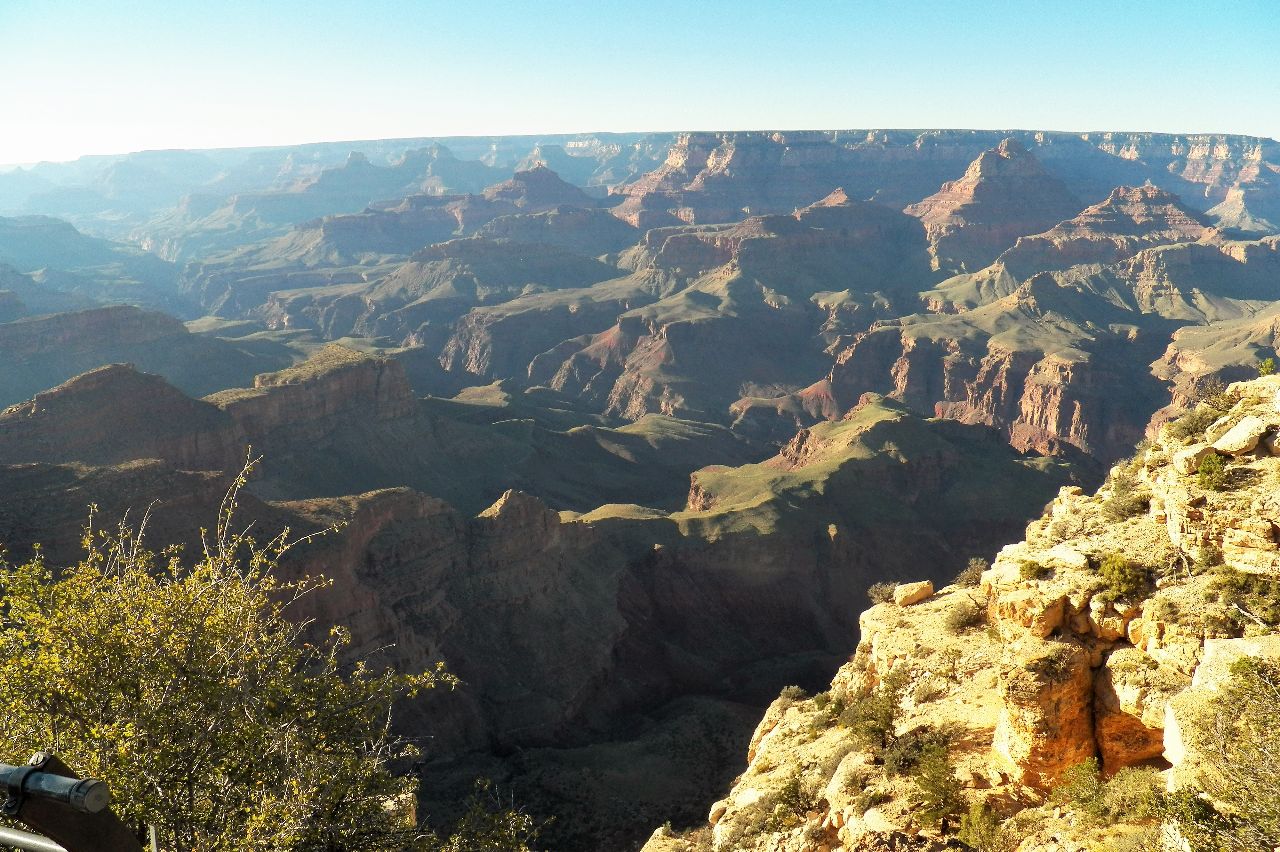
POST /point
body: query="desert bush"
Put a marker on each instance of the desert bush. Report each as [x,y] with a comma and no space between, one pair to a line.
[793,693]
[904,754]
[1124,578]
[1212,474]
[491,824]
[790,803]
[971,575]
[1209,557]
[1080,788]
[1127,498]
[881,592]
[1266,366]
[1029,569]
[1193,423]
[1132,794]
[700,839]
[1257,595]
[1214,394]
[868,799]
[965,615]
[871,716]
[928,689]
[1212,400]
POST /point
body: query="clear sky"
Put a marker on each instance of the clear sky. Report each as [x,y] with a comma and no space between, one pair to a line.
[108,76]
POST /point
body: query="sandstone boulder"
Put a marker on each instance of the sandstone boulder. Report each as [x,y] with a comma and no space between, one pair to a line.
[1188,461]
[1028,610]
[1065,556]
[1221,654]
[1242,437]
[1218,428]
[907,594]
[1046,721]
[1249,544]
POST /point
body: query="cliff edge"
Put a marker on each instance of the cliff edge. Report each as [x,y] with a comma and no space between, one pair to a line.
[1083,651]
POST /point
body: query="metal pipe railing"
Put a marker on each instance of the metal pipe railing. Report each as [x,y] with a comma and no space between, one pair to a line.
[71,814]
[28,841]
[86,795]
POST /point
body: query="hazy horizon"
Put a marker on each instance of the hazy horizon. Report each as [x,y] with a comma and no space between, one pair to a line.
[96,77]
[560,133]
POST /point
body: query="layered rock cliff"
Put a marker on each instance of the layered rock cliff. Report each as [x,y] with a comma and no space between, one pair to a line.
[1003,195]
[43,351]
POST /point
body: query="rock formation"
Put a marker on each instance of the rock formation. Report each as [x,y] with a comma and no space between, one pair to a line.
[644,605]
[1003,195]
[1095,637]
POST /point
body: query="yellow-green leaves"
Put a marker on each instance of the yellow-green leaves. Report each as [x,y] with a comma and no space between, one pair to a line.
[186,687]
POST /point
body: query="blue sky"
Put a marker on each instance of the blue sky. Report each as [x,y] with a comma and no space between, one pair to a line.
[106,76]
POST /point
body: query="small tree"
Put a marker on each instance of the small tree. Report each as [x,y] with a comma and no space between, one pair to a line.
[938,791]
[1266,366]
[982,830]
[186,688]
[872,716]
[1212,474]
[1237,746]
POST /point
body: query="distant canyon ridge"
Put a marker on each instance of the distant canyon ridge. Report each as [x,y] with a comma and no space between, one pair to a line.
[619,426]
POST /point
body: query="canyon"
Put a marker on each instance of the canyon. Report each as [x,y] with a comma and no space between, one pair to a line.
[622,427]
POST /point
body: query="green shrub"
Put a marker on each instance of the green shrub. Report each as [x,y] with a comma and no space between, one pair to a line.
[871,716]
[1132,794]
[793,693]
[972,573]
[1239,747]
[1032,570]
[881,592]
[981,829]
[1266,366]
[1080,788]
[1193,423]
[1212,475]
[868,799]
[790,803]
[1124,578]
[904,754]
[1258,595]
[938,791]
[1214,394]
[1209,557]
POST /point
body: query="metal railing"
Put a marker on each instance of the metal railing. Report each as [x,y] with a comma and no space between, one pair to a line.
[73,814]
